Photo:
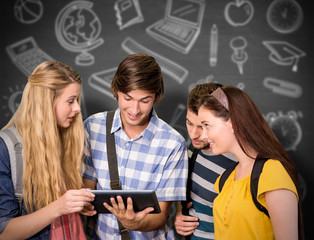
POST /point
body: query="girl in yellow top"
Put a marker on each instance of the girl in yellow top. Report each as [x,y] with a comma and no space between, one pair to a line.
[232,123]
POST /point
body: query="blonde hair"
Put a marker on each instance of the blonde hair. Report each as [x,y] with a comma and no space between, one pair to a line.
[52,155]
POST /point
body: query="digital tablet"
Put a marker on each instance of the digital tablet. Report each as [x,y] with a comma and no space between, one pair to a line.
[141,199]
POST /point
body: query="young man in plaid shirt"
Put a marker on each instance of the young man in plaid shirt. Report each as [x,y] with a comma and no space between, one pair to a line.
[151,155]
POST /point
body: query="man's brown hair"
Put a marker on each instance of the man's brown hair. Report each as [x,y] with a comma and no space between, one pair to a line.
[138,72]
[197,92]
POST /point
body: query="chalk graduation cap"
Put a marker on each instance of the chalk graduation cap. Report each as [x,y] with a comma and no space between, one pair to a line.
[284,54]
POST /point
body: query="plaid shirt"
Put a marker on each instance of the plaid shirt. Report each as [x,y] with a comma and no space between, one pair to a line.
[154,160]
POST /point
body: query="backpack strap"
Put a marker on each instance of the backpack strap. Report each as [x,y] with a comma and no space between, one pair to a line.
[256,172]
[225,175]
[13,142]
[192,160]
[113,167]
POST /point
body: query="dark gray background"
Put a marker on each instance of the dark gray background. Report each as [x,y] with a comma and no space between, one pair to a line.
[110,53]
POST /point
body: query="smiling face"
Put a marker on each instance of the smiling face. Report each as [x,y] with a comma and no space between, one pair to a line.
[66,104]
[195,130]
[135,108]
[217,131]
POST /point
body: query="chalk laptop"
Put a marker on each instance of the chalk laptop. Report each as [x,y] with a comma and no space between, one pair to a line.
[26,55]
[181,25]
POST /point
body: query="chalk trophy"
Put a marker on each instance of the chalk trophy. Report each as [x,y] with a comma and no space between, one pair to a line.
[77,29]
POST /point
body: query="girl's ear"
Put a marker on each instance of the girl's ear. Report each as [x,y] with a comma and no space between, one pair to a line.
[229,124]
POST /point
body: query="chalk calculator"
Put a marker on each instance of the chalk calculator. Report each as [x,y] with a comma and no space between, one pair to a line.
[26,55]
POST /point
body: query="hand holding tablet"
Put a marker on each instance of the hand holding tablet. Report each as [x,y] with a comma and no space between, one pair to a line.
[141,199]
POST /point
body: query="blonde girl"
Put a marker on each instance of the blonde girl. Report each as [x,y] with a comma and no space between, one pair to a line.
[49,122]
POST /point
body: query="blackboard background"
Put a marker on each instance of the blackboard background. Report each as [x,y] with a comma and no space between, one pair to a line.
[110,53]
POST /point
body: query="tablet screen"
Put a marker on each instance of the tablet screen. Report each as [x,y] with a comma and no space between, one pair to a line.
[141,199]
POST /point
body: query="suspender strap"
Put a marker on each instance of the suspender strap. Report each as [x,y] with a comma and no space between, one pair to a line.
[192,159]
[256,172]
[113,167]
[191,168]
[111,153]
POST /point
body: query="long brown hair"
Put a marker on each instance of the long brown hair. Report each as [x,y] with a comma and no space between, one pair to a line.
[252,132]
[53,156]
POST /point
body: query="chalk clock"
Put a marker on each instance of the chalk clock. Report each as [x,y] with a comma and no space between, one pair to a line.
[284,16]
[286,128]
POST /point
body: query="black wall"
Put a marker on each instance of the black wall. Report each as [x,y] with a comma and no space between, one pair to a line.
[268,74]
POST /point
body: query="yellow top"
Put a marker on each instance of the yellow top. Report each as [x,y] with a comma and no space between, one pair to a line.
[236,216]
